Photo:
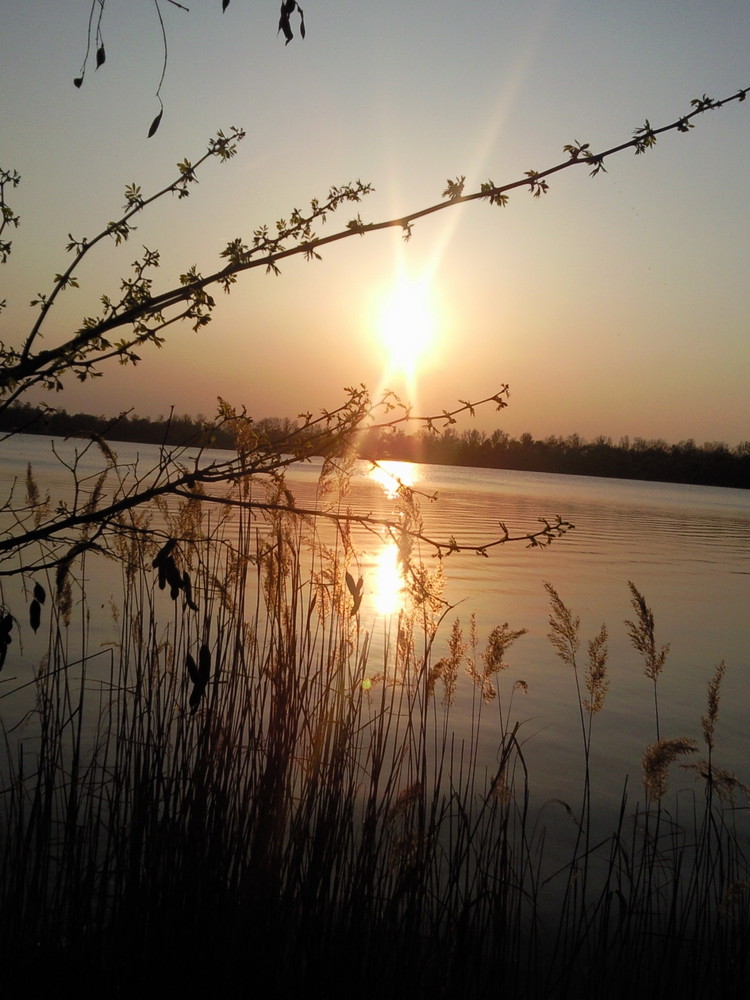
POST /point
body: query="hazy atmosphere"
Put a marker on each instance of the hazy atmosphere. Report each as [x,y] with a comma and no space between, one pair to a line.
[268,722]
[614,305]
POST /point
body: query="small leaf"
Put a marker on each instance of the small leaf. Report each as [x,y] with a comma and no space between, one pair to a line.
[78,81]
[224,5]
[100,56]
[40,593]
[155,124]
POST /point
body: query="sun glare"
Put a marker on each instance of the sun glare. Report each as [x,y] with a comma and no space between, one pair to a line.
[407,328]
[389,580]
[390,474]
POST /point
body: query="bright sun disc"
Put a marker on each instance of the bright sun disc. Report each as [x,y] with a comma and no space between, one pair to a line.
[407,327]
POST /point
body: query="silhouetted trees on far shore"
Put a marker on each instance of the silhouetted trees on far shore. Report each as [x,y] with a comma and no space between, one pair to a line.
[712,463]
[709,464]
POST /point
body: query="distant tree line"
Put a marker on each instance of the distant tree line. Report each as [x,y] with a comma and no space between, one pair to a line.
[172,430]
[709,464]
[712,463]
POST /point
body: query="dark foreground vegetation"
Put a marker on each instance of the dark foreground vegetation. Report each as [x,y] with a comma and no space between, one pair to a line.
[235,795]
[709,464]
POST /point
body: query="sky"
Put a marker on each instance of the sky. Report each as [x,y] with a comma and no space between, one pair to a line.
[615,305]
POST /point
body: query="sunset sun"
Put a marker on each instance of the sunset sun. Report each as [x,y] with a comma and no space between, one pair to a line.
[406,327]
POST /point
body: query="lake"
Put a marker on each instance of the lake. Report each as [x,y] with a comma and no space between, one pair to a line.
[686,548]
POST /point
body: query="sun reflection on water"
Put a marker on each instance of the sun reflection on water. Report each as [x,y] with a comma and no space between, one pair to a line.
[389,587]
[390,474]
[388,584]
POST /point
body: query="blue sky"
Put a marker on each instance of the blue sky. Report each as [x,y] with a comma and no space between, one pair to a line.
[614,305]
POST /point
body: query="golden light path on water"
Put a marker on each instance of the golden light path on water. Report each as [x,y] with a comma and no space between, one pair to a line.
[388,585]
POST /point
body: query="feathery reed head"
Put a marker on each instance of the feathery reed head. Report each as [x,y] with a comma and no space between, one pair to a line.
[500,639]
[724,783]
[641,633]
[709,720]
[446,669]
[656,761]
[564,626]
[597,681]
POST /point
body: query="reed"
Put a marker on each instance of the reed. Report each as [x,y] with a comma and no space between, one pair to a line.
[247,790]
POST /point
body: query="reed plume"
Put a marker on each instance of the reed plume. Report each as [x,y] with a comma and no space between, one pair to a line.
[597,682]
[642,638]
[501,638]
[564,628]
[709,720]
[656,761]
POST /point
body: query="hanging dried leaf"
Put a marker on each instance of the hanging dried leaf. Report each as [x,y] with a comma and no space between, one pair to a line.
[35,614]
[155,124]
[199,675]
[101,56]
[355,589]
[187,586]
[163,552]
[192,669]
[174,577]
[6,624]
[285,26]
[204,663]
[288,7]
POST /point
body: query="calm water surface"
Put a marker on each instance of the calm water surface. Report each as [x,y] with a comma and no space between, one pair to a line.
[686,548]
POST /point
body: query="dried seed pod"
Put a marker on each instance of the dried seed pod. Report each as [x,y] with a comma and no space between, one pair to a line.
[199,675]
[174,577]
[355,589]
[6,624]
[187,586]
[164,552]
[35,614]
